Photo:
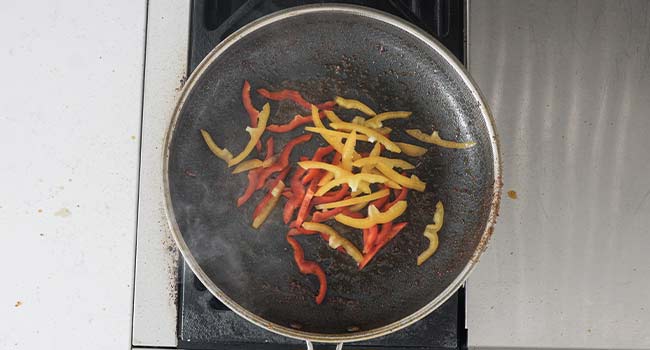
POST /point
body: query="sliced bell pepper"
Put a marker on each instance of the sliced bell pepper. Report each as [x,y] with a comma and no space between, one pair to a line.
[354,104]
[320,216]
[270,148]
[255,133]
[332,117]
[297,121]
[272,191]
[333,196]
[435,139]
[248,104]
[333,133]
[431,232]
[382,239]
[358,120]
[222,153]
[374,216]
[293,95]
[401,196]
[336,160]
[336,170]
[333,141]
[371,133]
[307,267]
[354,181]
[283,161]
[352,201]
[411,150]
[413,182]
[370,239]
[247,165]
[376,121]
[320,153]
[348,151]
[253,179]
[336,239]
[392,162]
[298,191]
[273,195]
[306,205]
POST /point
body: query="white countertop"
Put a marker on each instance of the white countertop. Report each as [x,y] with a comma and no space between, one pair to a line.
[70,117]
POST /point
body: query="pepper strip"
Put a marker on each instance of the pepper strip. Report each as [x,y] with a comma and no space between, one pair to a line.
[337,171]
[372,134]
[320,216]
[306,202]
[354,104]
[255,133]
[247,165]
[253,175]
[283,161]
[413,182]
[376,121]
[297,121]
[353,181]
[332,117]
[431,232]
[348,151]
[411,150]
[318,156]
[248,104]
[264,213]
[435,139]
[333,141]
[336,240]
[333,133]
[293,95]
[382,239]
[298,193]
[374,216]
[392,162]
[222,153]
[336,160]
[336,196]
[356,200]
[272,186]
[307,267]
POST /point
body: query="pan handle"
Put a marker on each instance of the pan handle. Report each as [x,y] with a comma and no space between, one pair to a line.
[310,345]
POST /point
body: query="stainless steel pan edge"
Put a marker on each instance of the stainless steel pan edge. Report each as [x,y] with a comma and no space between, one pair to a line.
[362,335]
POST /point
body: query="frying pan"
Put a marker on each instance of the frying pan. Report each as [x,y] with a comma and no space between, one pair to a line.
[325,51]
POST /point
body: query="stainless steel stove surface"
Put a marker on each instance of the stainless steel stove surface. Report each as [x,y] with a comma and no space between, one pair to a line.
[203,321]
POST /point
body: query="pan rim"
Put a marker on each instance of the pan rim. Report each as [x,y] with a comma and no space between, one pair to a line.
[410,29]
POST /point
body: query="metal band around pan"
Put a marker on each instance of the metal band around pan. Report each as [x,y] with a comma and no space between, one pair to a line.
[388,20]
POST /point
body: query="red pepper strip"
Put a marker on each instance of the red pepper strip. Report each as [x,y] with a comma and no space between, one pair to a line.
[382,240]
[287,194]
[306,202]
[293,95]
[252,111]
[366,232]
[253,179]
[337,196]
[298,191]
[270,148]
[320,216]
[308,268]
[400,197]
[283,161]
[269,195]
[297,121]
[320,153]
[372,237]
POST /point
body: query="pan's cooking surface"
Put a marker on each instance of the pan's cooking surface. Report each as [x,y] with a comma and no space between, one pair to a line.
[327,54]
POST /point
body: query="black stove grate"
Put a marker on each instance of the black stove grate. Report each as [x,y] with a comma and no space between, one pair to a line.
[204,322]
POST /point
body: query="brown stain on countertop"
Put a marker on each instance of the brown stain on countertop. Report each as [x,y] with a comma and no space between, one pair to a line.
[512,194]
[18,303]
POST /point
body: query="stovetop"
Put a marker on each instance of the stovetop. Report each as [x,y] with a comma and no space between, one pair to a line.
[204,322]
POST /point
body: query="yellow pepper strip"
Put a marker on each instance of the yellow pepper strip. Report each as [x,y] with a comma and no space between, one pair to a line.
[376,151]
[392,162]
[431,232]
[375,217]
[325,179]
[222,153]
[333,118]
[357,207]
[376,121]
[384,131]
[390,183]
[333,141]
[354,104]
[337,171]
[372,134]
[354,181]
[435,139]
[268,162]
[334,134]
[411,150]
[358,120]
[335,239]
[276,194]
[412,182]
[247,165]
[348,151]
[361,199]
[255,133]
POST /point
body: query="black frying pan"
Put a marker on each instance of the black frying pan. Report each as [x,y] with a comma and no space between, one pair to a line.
[326,51]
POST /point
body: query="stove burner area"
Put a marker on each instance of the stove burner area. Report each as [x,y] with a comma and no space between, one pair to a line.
[204,322]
